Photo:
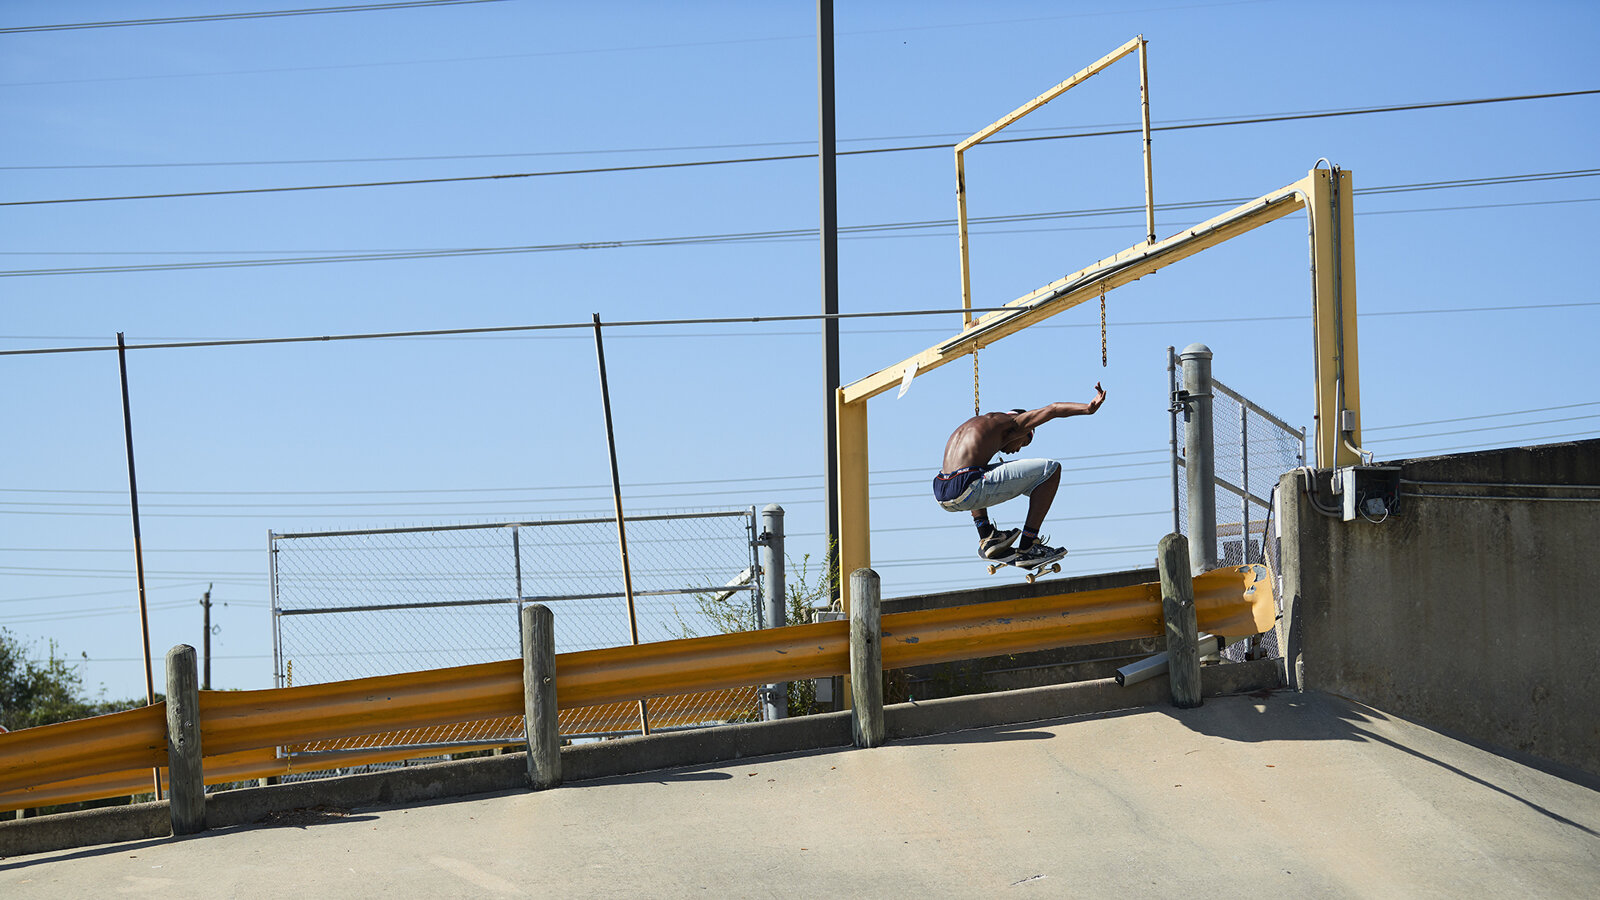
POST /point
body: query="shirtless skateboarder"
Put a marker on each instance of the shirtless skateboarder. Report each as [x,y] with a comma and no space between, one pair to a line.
[969,481]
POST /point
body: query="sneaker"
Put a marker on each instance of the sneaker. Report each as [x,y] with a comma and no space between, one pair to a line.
[998,545]
[1036,551]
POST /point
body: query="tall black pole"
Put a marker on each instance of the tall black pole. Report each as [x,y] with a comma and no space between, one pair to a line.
[138,550]
[205,670]
[616,492]
[830,282]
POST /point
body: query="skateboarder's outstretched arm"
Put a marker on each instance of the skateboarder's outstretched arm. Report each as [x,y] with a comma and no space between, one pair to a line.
[1033,418]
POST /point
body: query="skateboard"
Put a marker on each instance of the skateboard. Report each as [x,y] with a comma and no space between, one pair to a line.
[1034,569]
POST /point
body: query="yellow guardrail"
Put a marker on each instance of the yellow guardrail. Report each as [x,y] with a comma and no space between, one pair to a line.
[240,730]
[266,762]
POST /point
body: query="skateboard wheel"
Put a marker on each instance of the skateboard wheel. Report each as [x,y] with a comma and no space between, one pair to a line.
[993,569]
[1056,567]
[1031,576]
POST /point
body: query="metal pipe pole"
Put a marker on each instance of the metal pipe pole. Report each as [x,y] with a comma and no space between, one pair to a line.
[1244,469]
[830,282]
[1199,458]
[138,550]
[774,592]
[616,492]
[205,671]
[1172,391]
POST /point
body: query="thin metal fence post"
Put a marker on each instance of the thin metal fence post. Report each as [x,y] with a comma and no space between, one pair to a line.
[616,490]
[186,782]
[774,592]
[138,548]
[1173,410]
[539,696]
[866,659]
[1177,608]
[1244,497]
[1199,458]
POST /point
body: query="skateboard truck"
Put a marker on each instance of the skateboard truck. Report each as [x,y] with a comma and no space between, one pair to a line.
[1045,566]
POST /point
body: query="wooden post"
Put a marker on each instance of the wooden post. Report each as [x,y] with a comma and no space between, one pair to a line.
[539,696]
[186,790]
[1177,608]
[866,659]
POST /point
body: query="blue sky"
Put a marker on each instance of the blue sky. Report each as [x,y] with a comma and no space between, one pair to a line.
[1477,307]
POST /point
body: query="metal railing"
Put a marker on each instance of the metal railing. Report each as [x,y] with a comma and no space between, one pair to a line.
[352,604]
[1250,449]
[112,755]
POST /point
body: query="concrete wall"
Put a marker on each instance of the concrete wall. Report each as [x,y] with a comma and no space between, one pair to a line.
[1477,616]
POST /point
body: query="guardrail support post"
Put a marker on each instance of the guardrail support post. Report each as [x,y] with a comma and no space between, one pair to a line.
[186,789]
[866,659]
[539,696]
[773,590]
[1177,608]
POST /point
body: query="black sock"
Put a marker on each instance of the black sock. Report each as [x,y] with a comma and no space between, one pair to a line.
[984,527]
[1028,539]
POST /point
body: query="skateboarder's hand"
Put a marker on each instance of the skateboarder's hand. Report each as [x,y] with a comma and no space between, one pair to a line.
[1099,398]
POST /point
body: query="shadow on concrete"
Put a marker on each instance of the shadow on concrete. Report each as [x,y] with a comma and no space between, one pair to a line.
[1287,716]
[989,735]
[307,817]
[131,848]
[661,777]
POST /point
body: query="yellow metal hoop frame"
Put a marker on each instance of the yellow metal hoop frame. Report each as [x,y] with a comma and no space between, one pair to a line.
[1138,43]
[1325,194]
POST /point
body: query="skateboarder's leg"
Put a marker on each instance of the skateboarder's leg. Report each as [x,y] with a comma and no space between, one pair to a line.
[1039,502]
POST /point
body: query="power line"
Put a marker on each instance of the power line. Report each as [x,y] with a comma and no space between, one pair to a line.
[507,329]
[637,48]
[458,179]
[796,234]
[226,17]
[1163,323]
[1520,412]
[1039,134]
[1408,437]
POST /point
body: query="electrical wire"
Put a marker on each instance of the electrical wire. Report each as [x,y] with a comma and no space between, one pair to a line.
[858,232]
[1046,133]
[458,179]
[228,17]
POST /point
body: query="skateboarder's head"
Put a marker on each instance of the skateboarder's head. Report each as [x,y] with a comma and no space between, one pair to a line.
[1021,440]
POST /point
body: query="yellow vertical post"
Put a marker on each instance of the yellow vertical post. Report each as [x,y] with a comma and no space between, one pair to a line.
[1333,288]
[1144,111]
[961,237]
[855,501]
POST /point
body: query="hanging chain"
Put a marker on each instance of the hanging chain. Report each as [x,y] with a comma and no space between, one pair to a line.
[1102,324]
[975,382]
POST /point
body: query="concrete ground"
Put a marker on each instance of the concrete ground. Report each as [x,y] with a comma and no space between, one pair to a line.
[1284,794]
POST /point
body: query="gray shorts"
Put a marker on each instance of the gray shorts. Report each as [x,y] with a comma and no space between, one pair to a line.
[1006,481]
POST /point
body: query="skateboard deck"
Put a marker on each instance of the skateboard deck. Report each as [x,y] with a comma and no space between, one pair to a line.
[1034,569]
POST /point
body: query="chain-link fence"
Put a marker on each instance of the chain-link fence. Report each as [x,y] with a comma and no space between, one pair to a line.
[1251,448]
[353,604]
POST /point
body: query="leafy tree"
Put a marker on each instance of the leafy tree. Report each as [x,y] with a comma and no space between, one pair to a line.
[804,591]
[33,693]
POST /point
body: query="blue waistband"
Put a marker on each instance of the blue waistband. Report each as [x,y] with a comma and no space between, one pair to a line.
[950,485]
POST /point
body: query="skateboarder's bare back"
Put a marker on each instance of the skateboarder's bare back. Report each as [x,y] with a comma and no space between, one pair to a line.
[969,482]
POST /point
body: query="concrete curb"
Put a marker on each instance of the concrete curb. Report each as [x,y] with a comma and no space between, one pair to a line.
[706,746]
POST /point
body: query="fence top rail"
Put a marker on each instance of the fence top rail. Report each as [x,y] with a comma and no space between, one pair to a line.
[481,526]
[1254,407]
